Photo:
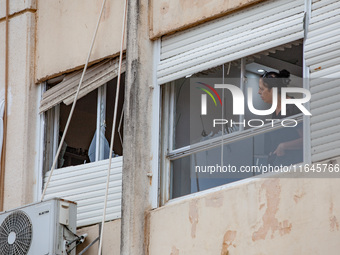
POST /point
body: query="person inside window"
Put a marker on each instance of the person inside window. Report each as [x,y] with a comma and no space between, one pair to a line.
[285,143]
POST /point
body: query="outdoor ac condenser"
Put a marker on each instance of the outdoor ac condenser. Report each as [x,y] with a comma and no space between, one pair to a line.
[43,228]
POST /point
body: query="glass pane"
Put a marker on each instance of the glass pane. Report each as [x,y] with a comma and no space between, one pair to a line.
[81,130]
[110,104]
[241,159]
[187,104]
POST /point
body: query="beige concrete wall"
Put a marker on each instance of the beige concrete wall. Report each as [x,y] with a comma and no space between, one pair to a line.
[260,217]
[21,150]
[111,238]
[171,16]
[65,30]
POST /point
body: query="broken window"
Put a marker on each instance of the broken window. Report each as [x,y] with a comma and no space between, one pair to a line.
[89,134]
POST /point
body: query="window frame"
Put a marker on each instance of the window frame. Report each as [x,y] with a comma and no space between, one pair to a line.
[100,121]
[54,137]
[169,154]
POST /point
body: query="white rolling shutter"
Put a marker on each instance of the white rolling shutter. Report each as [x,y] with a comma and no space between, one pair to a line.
[95,77]
[244,33]
[322,54]
[85,184]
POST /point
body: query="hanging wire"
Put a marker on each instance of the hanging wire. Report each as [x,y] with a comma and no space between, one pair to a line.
[73,105]
[222,133]
[113,128]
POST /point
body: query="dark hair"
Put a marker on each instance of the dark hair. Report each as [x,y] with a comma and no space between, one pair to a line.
[276,80]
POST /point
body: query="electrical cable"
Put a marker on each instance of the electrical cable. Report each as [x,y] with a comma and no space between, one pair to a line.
[73,105]
[113,128]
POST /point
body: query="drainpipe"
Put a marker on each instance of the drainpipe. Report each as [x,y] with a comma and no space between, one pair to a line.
[3,152]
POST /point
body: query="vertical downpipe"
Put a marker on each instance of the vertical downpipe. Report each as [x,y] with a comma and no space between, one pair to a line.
[3,152]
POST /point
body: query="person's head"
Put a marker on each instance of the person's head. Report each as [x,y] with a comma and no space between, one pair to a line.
[270,80]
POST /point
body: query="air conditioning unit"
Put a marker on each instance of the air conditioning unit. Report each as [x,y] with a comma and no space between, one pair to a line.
[44,228]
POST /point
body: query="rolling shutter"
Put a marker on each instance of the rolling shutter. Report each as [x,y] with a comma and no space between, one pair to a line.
[95,77]
[85,184]
[322,54]
[244,33]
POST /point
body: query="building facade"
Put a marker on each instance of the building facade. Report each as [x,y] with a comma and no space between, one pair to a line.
[160,199]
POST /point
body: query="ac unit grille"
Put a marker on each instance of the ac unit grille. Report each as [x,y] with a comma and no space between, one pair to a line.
[16,234]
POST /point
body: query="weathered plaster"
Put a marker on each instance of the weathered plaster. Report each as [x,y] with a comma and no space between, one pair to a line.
[111,238]
[137,131]
[270,223]
[260,216]
[228,239]
[22,115]
[167,17]
[65,30]
[16,7]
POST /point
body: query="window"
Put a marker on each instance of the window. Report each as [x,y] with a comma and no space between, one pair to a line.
[204,147]
[92,116]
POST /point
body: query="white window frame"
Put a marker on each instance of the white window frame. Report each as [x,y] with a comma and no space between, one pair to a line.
[91,199]
[169,154]
[100,123]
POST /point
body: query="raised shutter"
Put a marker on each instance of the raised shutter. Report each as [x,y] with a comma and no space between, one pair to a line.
[322,54]
[85,184]
[95,77]
[255,29]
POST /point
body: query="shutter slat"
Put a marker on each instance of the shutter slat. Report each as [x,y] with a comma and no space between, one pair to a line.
[328,131]
[326,8]
[323,59]
[230,30]
[321,40]
[85,184]
[322,49]
[326,154]
[326,108]
[94,77]
[225,59]
[324,124]
[326,93]
[230,38]
[331,99]
[326,139]
[253,30]
[319,85]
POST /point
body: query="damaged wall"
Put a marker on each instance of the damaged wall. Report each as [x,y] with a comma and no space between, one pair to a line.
[170,16]
[65,30]
[259,216]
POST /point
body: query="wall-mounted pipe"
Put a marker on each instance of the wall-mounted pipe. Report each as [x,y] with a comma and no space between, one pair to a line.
[4,130]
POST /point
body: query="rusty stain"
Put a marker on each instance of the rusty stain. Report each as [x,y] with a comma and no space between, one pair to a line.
[174,251]
[298,196]
[228,239]
[147,216]
[215,200]
[318,68]
[270,222]
[285,227]
[334,223]
[193,217]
